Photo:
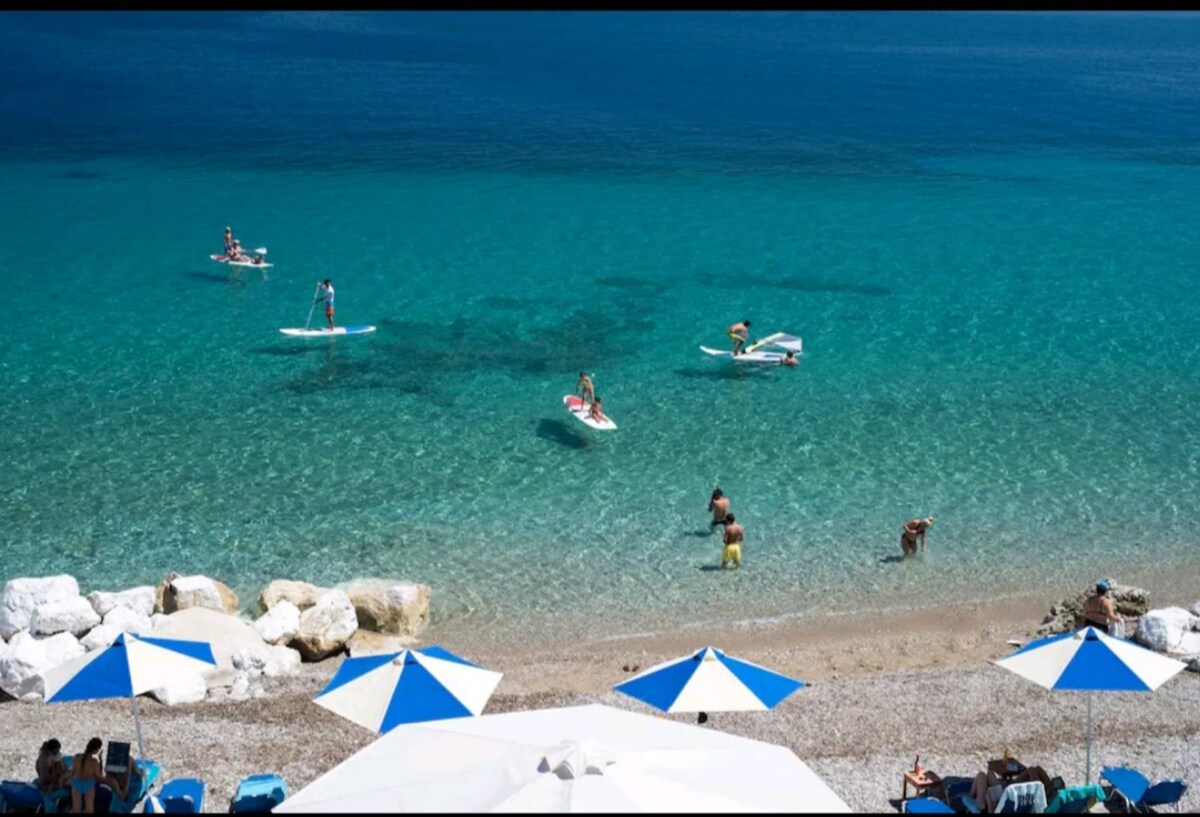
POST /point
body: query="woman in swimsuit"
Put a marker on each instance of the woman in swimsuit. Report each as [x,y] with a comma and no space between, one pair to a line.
[597,412]
[87,772]
[51,771]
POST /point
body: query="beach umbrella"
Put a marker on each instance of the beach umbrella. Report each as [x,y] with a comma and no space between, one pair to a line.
[573,759]
[381,692]
[1091,661]
[709,681]
[130,665]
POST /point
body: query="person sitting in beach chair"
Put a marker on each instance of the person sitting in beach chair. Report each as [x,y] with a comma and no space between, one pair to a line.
[988,788]
[52,773]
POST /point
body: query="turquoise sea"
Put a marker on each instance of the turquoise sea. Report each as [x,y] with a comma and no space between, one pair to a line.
[982,225]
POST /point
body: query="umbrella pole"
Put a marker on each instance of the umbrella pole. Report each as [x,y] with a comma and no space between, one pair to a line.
[137,725]
[1087,776]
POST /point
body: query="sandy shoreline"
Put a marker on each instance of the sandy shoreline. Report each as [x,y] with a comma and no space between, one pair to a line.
[884,689]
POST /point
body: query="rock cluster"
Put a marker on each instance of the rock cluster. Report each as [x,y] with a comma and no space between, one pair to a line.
[46,621]
[1067,615]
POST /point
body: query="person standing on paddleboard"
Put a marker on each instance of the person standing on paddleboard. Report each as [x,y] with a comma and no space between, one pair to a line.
[738,333]
[585,387]
[325,293]
[228,239]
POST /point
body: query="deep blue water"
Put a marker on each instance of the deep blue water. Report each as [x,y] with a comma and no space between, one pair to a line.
[981,224]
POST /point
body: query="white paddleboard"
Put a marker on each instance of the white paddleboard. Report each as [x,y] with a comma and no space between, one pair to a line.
[224,259]
[326,333]
[745,357]
[579,410]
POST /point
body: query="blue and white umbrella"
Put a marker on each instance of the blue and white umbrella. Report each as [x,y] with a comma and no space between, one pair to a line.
[709,681]
[129,666]
[1091,661]
[381,692]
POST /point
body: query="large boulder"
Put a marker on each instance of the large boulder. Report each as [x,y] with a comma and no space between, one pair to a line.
[365,642]
[22,596]
[1067,615]
[271,662]
[1196,609]
[395,608]
[1163,630]
[186,592]
[280,624]
[225,633]
[301,594]
[128,620]
[74,615]
[27,657]
[100,637]
[139,600]
[184,688]
[326,626]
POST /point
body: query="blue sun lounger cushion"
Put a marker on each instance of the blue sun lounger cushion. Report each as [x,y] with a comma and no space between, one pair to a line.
[258,793]
[184,795]
[19,794]
[926,805]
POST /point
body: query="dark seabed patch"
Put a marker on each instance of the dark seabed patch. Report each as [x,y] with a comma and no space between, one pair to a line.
[628,282]
[797,284]
[82,175]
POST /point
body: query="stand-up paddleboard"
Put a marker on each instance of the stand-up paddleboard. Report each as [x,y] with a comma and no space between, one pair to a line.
[224,259]
[580,410]
[745,357]
[328,333]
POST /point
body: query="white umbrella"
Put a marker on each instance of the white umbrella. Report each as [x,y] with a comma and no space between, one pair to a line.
[574,759]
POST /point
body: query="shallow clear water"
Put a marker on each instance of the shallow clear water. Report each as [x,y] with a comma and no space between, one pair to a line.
[979,224]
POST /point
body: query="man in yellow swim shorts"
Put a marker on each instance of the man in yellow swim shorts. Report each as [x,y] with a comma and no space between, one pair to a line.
[734,536]
[738,333]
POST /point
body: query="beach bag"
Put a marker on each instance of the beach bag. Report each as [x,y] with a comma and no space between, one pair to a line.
[1118,629]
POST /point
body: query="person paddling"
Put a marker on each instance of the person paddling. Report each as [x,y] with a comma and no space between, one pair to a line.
[228,239]
[325,293]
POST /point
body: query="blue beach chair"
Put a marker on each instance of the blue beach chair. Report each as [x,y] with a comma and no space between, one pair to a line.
[1137,791]
[258,793]
[925,805]
[1075,799]
[1017,798]
[17,794]
[183,795]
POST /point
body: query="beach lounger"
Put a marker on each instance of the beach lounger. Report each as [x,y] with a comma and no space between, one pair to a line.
[1017,798]
[1138,793]
[258,793]
[17,794]
[139,786]
[925,805]
[1075,799]
[183,795]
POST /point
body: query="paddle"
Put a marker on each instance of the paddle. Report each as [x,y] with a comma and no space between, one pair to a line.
[311,307]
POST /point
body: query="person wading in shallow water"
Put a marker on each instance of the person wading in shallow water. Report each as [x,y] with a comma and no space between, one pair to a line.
[719,505]
[914,529]
[734,535]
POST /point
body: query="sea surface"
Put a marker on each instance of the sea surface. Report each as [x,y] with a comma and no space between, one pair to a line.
[982,225]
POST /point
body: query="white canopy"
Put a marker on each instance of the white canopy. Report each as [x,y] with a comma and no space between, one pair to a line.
[574,759]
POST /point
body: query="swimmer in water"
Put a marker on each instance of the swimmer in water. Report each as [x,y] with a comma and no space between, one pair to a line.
[719,505]
[734,536]
[789,359]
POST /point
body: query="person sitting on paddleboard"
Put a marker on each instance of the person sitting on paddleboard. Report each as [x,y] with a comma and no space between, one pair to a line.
[789,359]
[325,293]
[236,252]
[597,412]
[738,334]
[585,387]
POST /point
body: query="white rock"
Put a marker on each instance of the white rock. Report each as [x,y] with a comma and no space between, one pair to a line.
[282,661]
[301,594]
[1196,610]
[280,624]
[22,596]
[27,657]
[186,592]
[99,637]
[74,615]
[225,633]
[240,689]
[1162,630]
[130,621]
[157,620]
[185,688]
[1189,645]
[326,626]
[390,607]
[365,642]
[138,599]
[250,661]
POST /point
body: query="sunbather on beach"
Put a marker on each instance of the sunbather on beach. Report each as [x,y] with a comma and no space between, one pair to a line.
[988,787]
[87,772]
[52,773]
[719,505]
[1098,610]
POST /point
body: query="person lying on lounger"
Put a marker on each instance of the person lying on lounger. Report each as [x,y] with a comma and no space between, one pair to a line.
[988,786]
